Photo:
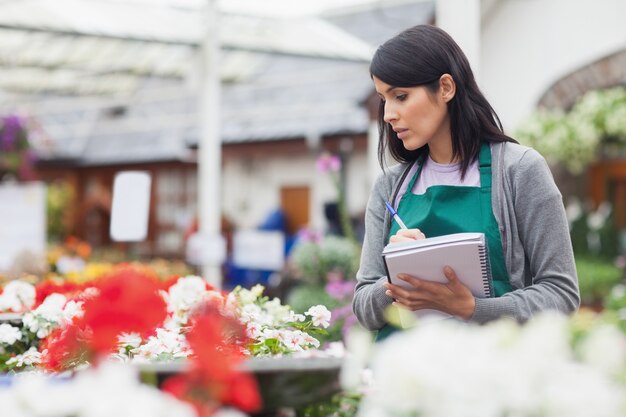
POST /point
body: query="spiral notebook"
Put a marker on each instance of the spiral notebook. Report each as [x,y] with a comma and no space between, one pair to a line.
[466,253]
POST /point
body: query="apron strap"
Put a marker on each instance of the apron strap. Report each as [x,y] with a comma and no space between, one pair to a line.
[484,161]
[420,163]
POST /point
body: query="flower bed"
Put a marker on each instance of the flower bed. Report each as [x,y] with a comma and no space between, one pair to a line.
[131,317]
[270,327]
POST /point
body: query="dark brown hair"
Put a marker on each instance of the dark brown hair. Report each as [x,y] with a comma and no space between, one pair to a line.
[420,56]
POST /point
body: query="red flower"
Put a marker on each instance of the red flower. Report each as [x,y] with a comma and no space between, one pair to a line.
[127,302]
[186,389]
[47,287]
[64,348]
[214,376]
[241,391]
[124,302]
[211,354]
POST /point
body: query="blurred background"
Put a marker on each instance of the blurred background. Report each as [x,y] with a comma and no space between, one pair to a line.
[284,114]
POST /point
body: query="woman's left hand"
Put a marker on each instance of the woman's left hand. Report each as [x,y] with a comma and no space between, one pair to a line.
[452,297]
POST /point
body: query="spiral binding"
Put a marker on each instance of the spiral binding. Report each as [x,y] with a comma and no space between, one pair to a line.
[485,267]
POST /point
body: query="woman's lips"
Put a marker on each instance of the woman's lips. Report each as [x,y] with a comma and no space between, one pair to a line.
[402,133]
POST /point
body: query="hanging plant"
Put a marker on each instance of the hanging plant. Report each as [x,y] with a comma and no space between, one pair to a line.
[16,155]
[595,127]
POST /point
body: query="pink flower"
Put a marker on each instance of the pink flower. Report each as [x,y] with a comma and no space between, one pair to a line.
[308,235]
[328,163]
[340,290]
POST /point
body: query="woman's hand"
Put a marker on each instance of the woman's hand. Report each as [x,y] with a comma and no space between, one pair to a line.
[404,235]
[452,297]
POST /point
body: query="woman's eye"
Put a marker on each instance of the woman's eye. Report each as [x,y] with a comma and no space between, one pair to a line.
[401,97]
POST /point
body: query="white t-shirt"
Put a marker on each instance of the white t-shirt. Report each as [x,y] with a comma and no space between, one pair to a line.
[446,174]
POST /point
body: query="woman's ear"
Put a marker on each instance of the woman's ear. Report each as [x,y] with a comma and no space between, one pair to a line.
[447,87]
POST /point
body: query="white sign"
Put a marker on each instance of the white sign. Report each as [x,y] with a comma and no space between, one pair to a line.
[131,206]
[206,250]
[257,249]
[22,221]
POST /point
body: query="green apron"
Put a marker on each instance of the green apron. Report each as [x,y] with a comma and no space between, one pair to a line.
[445,209]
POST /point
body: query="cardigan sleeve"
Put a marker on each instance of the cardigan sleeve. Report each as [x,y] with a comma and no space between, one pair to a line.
[545,250]
[370,301]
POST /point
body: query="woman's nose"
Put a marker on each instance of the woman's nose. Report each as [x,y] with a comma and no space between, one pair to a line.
[389,113]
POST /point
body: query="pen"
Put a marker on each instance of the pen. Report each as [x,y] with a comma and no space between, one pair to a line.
[395,216]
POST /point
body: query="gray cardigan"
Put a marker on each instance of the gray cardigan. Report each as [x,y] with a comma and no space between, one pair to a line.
[535,237]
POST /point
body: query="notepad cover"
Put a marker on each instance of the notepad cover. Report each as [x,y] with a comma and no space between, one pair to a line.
[463,252]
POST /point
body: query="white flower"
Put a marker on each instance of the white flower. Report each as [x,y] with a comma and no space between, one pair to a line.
[167,342]
[48,315]
[231,304]
[108,390]
[253,329]
[257,290]
[319,315]
[247,296]
[359,346]
[310,341]
[270,334]
[252,312]
[618,291]
[604,348]
[186,293]
[296,317]
[128,340]
[71,310]
[229,412]
[28,358]
[459,370]
[9,334]
[10,405]
[280,312]
[17,296]
[575,390]
[52,307]
[574,210]
[293,340]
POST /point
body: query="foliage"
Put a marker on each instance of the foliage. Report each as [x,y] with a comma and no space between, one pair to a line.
[315,260]
[58,207]
[596,124]
[331,165]
[327,265]
[340,405]
[615,302]
[596,278]
[596,247]
[593,232]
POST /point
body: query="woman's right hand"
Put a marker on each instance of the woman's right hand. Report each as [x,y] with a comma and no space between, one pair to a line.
[405,235]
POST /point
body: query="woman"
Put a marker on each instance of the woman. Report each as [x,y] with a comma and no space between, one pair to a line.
[458,172]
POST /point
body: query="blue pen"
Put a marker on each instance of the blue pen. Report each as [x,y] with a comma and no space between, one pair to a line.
[395,216]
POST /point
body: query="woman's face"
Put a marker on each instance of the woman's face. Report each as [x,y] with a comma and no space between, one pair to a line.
[417,116]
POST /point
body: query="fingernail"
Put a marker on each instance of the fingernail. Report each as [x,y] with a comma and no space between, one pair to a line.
[402,276]
[388,292]
[447,269]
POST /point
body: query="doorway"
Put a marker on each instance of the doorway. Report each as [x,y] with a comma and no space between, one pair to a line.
[294,201]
